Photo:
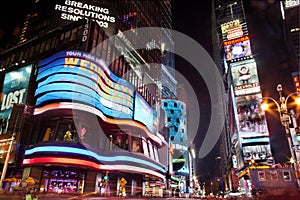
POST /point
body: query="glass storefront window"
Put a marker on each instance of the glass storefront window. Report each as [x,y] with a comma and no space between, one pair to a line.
[62,180]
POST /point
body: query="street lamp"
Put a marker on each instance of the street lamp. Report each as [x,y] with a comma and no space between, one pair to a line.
[11,141]
[285,119]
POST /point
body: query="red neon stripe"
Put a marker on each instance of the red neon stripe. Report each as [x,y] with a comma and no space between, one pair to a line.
[56,160]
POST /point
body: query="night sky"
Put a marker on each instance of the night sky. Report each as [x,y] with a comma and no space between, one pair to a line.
[270,52]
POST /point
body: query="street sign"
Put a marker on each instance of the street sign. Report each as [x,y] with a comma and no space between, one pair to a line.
[122,182]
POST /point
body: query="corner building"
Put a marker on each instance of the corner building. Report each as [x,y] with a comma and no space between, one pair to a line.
[87,119]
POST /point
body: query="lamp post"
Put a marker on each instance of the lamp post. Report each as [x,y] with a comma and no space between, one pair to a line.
[285,119]
[10,140]
[166,132]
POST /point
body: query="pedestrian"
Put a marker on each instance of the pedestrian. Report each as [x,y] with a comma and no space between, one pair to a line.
[30,196]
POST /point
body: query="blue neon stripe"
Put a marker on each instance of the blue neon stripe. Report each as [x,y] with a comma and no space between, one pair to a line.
[90,153]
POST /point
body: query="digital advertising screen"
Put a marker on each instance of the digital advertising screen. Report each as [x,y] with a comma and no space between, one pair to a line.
[237,48]
[256,148]
[144,113]
[231,30]
[245,77]
[81,77]
[14,90]
[251,118]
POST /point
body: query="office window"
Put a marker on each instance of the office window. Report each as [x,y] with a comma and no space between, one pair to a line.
[48,44]
[43,45]
[73,34]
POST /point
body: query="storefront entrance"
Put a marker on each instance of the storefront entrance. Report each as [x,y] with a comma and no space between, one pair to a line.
[62,180]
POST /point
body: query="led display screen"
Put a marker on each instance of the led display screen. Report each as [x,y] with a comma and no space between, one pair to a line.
[81,77]
[256,148]
[237,48]
[245,77]
[144,113]
[14,90]
[232,29]
[250,117]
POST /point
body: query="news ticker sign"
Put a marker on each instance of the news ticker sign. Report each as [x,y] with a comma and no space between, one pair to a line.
[82,77]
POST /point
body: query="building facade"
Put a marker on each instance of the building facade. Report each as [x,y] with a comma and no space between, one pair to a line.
[88,103]
[246,135]
[182,162]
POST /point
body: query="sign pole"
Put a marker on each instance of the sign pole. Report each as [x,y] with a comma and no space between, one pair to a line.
[11,140]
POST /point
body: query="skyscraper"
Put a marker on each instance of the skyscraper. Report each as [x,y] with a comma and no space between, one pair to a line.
[91,99]
[246,137]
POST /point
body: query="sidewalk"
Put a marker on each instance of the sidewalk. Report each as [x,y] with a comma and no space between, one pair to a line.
[48,196]
[19,196]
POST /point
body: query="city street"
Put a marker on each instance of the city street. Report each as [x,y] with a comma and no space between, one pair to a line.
[72,197]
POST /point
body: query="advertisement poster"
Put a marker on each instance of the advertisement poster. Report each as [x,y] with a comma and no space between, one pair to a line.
[245,77]
[256,148]
[251,118]
[232,30]
[237,48]
[144,113]
[14,92]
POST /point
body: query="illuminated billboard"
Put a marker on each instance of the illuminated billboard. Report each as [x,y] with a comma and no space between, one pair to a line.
[250,117]
[245,77]
[237,48]
[75,10]
[232,30]
[83,78]
[256,148]
[144,113]
[14,90]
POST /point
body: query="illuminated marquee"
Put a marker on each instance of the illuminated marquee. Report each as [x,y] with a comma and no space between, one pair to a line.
[75,10]
[81,77]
